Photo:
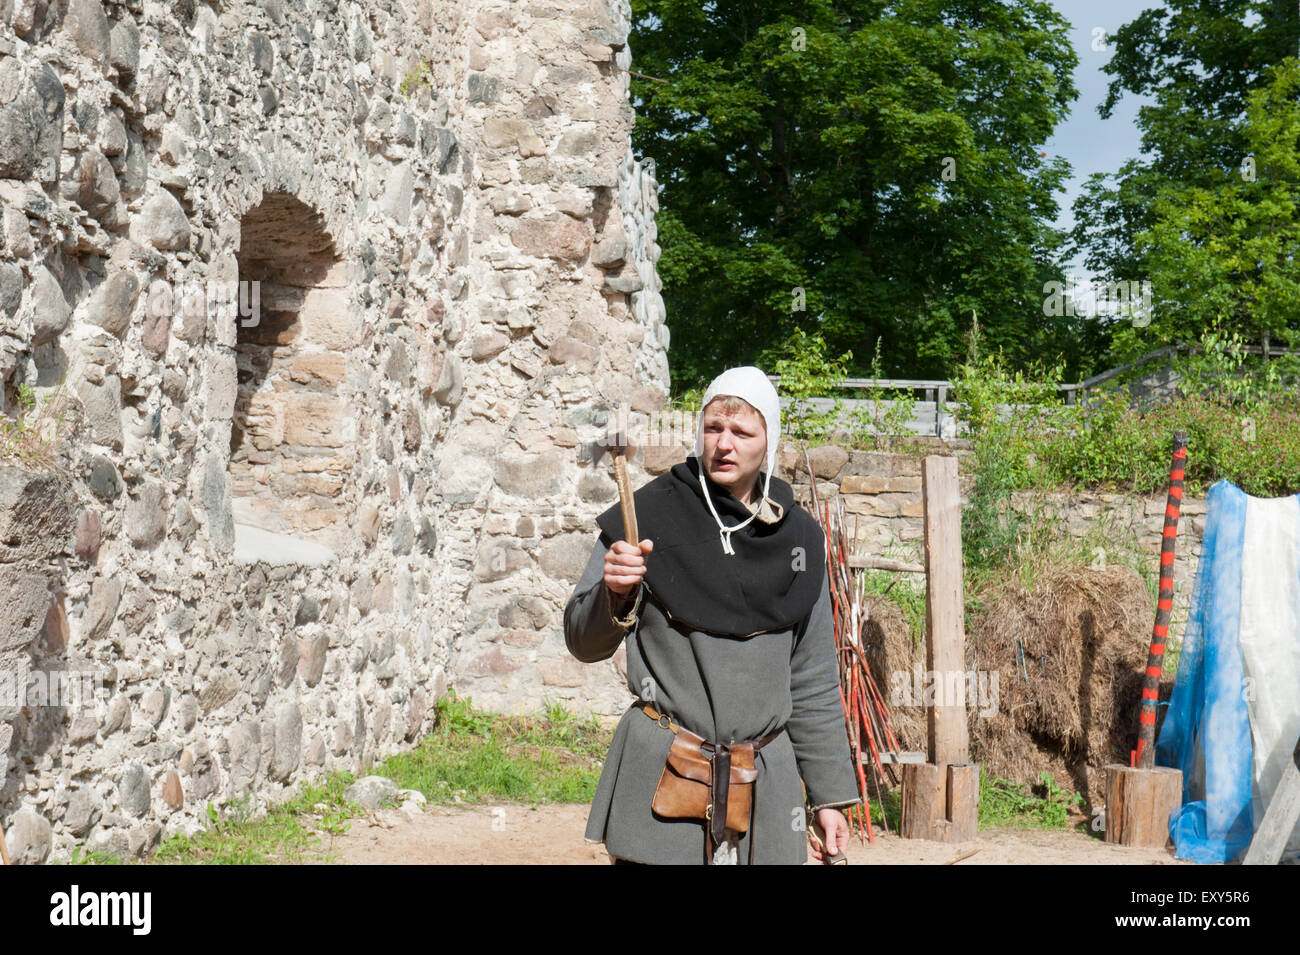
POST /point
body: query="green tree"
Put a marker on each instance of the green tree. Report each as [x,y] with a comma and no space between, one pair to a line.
[862,170]
[1227,256]
[1199,61]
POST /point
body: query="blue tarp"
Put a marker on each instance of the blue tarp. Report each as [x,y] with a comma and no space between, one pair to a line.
[1234,690]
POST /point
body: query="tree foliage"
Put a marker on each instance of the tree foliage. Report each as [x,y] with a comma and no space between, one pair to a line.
[1226,256]
[862,170]
[1199,60]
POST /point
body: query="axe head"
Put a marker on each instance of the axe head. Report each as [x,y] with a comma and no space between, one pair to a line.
[611,446]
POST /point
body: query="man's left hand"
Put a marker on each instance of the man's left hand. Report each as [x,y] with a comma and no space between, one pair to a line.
[836,827]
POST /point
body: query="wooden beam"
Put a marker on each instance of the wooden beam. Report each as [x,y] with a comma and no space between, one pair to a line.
[963,802]
[1280,817]
[945,636]
[885,563]
[924,810]
[899,758]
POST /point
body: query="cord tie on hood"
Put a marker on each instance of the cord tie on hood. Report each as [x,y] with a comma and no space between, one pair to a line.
[724,532]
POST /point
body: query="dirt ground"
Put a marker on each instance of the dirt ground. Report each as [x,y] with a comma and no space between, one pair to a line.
[552,835]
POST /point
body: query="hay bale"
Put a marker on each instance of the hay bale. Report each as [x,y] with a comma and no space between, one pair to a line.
[891,655]
[1073,706]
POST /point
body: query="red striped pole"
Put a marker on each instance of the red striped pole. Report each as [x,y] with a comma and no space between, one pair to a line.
[1145,754]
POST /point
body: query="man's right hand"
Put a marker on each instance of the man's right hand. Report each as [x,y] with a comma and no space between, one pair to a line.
[625,565]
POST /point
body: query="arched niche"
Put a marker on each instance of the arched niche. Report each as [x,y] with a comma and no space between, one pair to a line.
[292,440]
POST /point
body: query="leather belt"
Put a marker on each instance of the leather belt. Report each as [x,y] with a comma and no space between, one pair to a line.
[719,755]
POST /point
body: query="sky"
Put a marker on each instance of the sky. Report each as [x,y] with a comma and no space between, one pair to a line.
[1090,143]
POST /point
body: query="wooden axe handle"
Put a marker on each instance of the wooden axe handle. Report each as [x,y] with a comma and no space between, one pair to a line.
[625,499]
[4,849]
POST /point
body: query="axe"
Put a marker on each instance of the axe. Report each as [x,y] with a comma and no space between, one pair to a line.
[618,447]
[625,500]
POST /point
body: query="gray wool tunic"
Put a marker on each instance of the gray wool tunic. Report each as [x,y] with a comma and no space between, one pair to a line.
[723,688]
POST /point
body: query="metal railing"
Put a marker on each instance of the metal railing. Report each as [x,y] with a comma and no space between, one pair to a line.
[932,417]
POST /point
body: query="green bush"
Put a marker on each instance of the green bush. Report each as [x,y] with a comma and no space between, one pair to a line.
[1242,417]
[1005,803]
[876,425]
[807,372]
[1006,414]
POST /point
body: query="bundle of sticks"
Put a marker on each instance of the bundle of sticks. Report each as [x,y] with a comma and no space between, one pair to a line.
[865,712]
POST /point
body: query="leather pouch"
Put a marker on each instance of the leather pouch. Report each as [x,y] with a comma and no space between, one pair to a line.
[686,783]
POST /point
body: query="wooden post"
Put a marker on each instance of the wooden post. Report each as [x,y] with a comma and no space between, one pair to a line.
[941,797]
[945,635]
[940,803]
[1139,803]
[1140,797]
[1145,754]
[963,801]
[924,802]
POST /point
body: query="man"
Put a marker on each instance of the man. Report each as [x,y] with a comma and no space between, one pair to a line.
[727,616]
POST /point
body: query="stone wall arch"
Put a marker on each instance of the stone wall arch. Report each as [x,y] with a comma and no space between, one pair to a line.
[292,444]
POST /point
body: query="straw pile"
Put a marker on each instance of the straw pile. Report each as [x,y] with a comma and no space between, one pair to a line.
[1069,659]
[887,640]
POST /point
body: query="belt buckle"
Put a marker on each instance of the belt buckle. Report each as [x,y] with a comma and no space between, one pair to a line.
[664,721]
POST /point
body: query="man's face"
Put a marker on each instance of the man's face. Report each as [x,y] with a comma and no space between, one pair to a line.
[735,447]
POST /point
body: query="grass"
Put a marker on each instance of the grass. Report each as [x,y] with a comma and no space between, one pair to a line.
[34,436]
[902,593]
[888,809]
[1007,804]
[1003,804]
[470,757]
[297,831]
[473,756]
[97,857]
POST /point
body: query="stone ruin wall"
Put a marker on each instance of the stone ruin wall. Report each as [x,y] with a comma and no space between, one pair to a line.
[277,538]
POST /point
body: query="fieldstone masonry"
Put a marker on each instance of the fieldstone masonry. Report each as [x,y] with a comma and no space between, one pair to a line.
[285,528]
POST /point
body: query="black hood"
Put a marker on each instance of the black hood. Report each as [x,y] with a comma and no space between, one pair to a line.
[770,583]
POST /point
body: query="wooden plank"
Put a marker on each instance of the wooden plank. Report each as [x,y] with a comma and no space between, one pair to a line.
[963,802]
[945,636]
[896,383]
[1139,803]
[1280,817]
[886,756]
[1072,392]
[885,563]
